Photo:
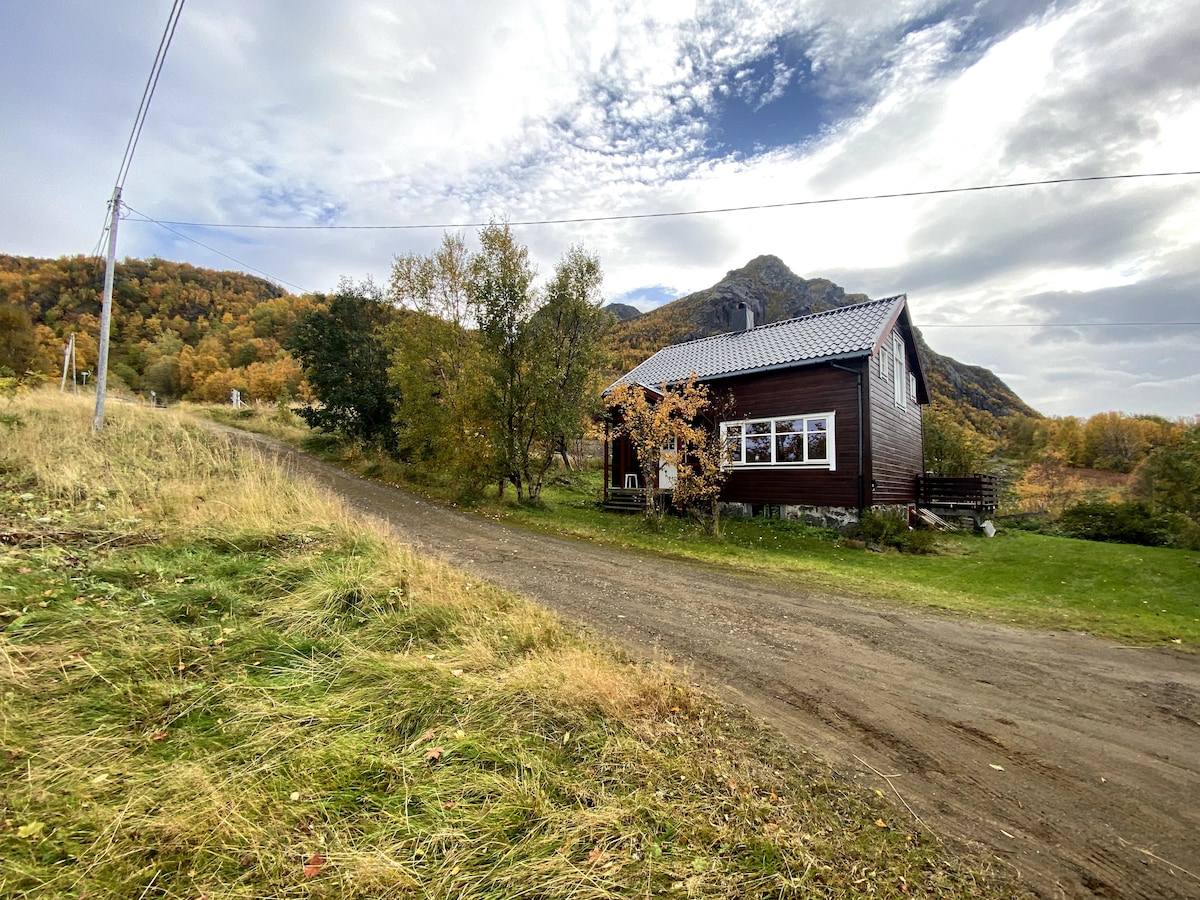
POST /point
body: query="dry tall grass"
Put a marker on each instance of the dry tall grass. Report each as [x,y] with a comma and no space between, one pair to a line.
[152,466]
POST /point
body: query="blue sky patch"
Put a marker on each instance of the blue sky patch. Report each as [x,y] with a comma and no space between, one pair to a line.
[771,102]
[647,298]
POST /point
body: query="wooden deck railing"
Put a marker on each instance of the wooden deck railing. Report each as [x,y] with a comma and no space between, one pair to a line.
[978,492]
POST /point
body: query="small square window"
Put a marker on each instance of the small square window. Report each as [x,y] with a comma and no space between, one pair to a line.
[758,448]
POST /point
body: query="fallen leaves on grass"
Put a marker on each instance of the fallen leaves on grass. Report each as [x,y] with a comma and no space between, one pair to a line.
[313,866]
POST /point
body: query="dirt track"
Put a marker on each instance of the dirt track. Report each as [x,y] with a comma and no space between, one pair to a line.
[1073,762]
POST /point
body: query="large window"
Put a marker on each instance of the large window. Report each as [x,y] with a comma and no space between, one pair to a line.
[789,441]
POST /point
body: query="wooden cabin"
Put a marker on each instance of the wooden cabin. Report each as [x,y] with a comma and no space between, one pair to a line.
[824,413]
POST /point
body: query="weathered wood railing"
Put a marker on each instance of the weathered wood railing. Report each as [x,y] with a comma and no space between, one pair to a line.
[980,493]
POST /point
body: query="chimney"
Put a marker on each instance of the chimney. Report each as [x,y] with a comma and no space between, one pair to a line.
[743,319]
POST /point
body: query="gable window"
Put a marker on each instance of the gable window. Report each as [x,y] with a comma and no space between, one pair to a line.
[899,382]
[800,442]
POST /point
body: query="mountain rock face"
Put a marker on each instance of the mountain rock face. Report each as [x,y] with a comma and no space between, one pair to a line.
[769,288]
[972,386]
[622,311]
[774,293]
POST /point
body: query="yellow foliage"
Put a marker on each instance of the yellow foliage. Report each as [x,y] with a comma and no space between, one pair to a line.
[1049,485]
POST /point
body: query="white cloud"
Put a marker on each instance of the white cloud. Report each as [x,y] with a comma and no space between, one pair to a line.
[367,113]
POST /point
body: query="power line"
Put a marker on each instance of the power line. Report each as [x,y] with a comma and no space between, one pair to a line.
[1060,325]
[166,227]
[139,120]
[166,223]
[100,240]
[700,212]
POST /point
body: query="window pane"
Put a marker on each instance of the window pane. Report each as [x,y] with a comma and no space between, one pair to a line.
[758,428]
[758,449]
[733,443]
[818,446]
[786,426]
[789,448]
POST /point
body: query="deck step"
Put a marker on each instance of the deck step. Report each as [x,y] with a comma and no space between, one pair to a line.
[929,517]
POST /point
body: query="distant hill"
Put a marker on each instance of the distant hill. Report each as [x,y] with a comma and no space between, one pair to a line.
[177,329]
[774,292]
[622,311]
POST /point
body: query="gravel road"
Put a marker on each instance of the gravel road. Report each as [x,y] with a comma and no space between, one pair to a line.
[1072,761]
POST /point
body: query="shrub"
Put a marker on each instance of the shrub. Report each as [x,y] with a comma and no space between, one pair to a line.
[1119,523]
[921,541]
[1187,532]
[880,526]
[889,528]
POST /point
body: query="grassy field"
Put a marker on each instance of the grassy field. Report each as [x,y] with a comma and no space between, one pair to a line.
[217,684]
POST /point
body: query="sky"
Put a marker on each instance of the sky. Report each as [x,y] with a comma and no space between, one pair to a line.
[1084,297]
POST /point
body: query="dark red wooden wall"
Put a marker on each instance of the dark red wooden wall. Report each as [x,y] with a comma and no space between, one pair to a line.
[895,454]
[815,389]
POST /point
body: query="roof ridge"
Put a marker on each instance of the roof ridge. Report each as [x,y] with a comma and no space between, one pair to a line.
[766,325]
[824,312]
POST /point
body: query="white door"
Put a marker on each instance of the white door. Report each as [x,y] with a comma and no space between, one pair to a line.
[668,468]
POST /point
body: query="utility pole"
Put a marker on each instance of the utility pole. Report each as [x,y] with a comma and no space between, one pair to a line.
[106,311]
[67,362]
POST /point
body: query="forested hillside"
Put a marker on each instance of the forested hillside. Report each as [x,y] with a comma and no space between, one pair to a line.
[191,333]
[177,330]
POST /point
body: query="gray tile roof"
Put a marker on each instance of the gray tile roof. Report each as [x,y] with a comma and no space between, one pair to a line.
[842,333]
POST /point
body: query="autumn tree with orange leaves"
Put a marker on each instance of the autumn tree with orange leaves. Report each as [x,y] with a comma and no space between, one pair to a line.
[651,419]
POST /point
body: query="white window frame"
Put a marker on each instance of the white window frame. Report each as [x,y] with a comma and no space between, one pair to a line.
[733,437]
[899,382]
